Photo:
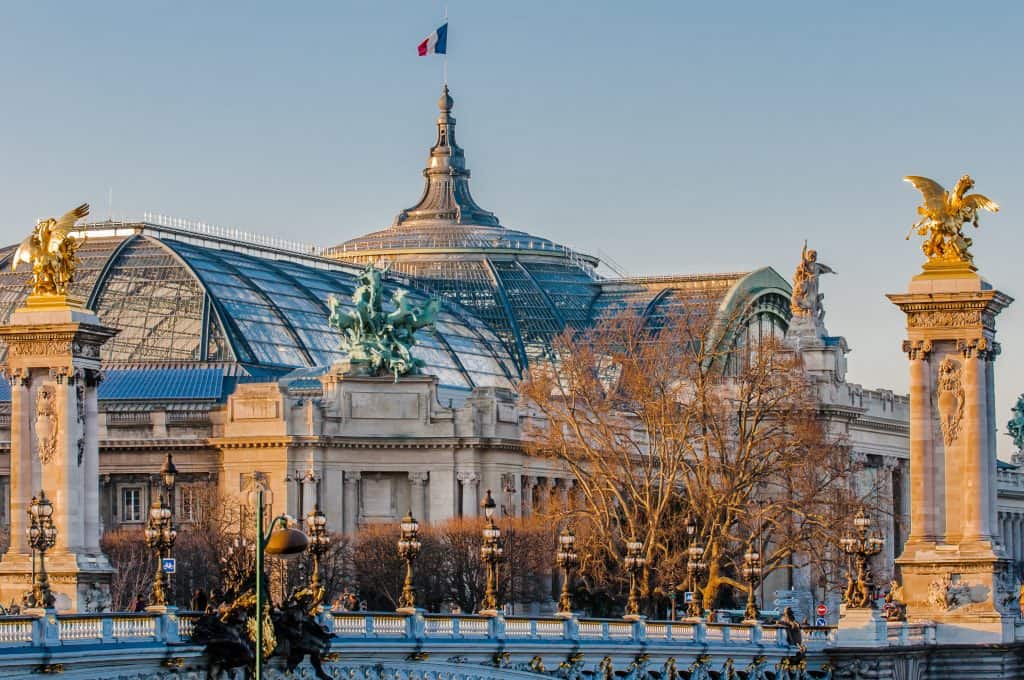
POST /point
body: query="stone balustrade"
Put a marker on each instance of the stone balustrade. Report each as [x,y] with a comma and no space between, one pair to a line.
[147,640]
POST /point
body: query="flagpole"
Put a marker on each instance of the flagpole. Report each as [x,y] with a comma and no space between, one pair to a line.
[446,48]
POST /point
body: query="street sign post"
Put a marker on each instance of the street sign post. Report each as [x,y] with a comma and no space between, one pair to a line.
[822,609]
[820,621]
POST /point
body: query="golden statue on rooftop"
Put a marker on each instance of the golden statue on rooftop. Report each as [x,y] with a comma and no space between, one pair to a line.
[943,215]
[51,250]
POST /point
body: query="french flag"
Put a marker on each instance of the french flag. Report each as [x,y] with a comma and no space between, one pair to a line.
[436,42]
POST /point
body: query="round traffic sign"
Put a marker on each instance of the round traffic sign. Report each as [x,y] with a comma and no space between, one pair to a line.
[822,609]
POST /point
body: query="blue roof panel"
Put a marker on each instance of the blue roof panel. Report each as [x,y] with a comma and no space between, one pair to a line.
[162,383]
[154,384]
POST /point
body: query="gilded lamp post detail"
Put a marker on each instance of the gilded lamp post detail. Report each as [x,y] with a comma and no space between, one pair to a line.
[491,553]
[752,572]
[634,562]
[408,548]
[567,559]
[695,566]
[160,535]
[860,592]
[42,535]
[319,543]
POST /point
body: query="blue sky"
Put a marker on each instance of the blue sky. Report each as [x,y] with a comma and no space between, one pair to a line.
[676,137]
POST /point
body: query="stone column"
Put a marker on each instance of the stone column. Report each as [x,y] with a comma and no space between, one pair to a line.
[53,364]
[309,498]
[528,483]
[563,490]
[417,488]
[923,468]
[543,495]
[951,316]
[976,479]
[22,478]
[470,500]
[889,532]
[352,501]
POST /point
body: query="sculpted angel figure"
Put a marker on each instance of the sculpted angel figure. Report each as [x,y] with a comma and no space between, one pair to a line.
[806,300]
[943,215]
[51,250]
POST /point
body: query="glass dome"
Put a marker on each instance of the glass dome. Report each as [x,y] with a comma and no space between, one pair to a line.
[526,288]
[177,297]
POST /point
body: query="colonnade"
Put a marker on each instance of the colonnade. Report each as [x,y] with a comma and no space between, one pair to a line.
[530,495]
[1011,530]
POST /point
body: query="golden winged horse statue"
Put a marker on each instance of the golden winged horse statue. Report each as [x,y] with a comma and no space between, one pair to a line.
[943,214]
[50,249]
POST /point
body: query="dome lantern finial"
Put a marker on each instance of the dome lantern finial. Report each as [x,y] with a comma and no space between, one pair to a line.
[446,102]
[446,196]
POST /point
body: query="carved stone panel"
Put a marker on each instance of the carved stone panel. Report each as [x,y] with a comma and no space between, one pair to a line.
[951,399]
[47,422]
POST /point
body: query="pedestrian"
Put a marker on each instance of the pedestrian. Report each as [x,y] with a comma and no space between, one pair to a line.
[139,605]
[199,601]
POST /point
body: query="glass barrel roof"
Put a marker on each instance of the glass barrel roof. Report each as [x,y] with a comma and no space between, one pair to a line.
[178,301]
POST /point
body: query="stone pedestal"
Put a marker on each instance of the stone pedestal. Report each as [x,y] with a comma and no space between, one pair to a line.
[861,628]
[53,364]
[953,569]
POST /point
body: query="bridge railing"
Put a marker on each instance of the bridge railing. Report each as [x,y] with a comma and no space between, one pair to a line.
[423,626]
[49,628]
[173,627]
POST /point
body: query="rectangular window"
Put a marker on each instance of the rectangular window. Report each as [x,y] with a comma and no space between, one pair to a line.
[189,500]
[131,504]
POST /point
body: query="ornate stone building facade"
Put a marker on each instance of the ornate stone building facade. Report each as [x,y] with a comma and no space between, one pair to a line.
[224,357]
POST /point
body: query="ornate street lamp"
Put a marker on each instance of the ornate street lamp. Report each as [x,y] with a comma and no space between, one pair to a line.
[635,561]
[567,559]
[42,535]
[285,543]
[752,572]
[695,565]
[319,542]
[160,534]
[168,472]
[408,548]
[491,552]
[860,594]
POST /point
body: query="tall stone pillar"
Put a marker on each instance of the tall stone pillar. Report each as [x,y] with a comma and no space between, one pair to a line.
[953,569]
[417,488]
[470,496]
[351,502]
[528,484]
[53,364]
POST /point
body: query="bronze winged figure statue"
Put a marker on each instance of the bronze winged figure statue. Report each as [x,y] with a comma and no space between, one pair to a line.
[943,215]
[51,250]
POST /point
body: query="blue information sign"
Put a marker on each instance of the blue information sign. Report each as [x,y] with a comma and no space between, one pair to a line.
[168,565]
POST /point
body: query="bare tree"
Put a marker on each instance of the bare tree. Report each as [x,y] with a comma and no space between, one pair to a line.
[688,415]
